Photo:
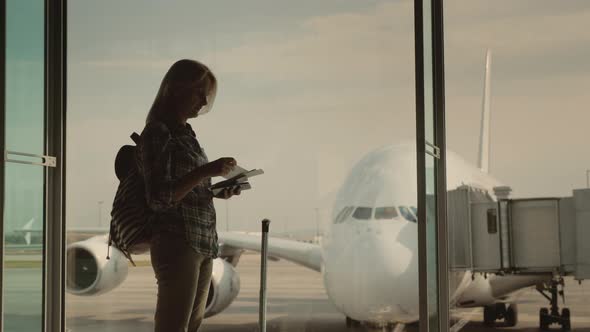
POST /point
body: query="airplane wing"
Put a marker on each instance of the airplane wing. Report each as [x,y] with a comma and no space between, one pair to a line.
[305,254]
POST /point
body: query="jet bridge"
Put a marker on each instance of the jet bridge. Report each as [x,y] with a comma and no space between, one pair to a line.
[490,233]
[495,234]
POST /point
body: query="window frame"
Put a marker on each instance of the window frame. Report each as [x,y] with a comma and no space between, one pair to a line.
[55,124]
[435,19]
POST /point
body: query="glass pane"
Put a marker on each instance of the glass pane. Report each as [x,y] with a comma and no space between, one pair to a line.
[430,171]
[428,67]
[431,244]
[23,248]
[538,76]
[25,66]
[24,218]
[318,94]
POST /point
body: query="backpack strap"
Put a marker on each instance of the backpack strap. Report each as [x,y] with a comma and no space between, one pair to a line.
[109,245]
[136,138]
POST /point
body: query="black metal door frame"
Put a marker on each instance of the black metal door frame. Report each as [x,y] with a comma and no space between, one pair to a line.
[55,74]
[55,117]
[437,43]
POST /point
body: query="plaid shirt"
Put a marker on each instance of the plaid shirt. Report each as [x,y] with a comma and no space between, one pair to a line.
[165,157]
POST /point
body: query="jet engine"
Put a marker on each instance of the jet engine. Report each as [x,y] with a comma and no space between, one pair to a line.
[89,272]
[224,288]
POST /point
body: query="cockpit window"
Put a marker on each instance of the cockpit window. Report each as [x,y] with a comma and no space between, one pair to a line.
[387,212]
[343,214]
[362,213]
[414,210]
[407,214]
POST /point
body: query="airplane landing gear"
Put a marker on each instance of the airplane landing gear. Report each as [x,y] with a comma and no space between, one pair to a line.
[352,323]
[511,317]
[550,316]
[497,311]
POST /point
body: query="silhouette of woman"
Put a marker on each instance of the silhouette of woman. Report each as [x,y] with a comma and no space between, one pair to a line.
[177,177]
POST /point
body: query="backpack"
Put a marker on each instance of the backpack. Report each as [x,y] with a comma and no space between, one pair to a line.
[129,229]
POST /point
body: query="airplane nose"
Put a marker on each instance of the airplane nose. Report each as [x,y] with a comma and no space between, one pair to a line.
[374,275]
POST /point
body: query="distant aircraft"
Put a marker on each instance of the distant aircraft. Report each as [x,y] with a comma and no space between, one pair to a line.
[73,234]
[26,234]
[369,257]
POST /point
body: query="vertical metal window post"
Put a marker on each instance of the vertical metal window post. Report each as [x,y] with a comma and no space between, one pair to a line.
[434,310]
[2,141]
[441,170]
[55,103]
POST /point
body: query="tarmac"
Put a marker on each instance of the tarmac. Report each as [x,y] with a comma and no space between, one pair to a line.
[296,302]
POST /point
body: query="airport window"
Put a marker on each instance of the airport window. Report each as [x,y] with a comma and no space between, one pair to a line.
[24,221]
[362,213]
[297,101]
[388,212]
[554,87]
[407,214]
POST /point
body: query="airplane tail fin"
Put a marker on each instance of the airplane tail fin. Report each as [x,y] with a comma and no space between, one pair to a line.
[484,138]
[28,226]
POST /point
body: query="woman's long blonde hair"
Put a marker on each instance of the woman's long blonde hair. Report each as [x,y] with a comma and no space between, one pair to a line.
[182,74]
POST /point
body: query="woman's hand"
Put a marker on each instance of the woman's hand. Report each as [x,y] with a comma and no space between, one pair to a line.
[229,192]
[220,167]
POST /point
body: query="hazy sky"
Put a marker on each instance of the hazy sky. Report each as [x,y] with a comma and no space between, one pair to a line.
[306,90]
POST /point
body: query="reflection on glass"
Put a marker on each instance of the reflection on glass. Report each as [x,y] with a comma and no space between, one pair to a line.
[295,100]
[24,185]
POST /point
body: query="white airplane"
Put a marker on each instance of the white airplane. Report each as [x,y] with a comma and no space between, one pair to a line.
[72,234]
[29,226]
[368,258]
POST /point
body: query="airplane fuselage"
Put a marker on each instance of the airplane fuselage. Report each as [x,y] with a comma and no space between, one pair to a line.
[370,253]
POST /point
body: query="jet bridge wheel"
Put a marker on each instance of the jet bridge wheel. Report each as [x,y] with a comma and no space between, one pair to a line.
[497,311]
[490,314]
[544,319]
[352,322]
[566,323]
